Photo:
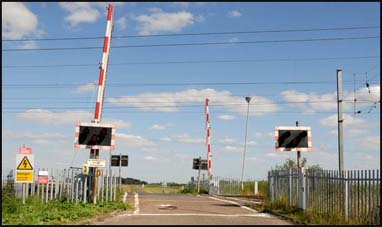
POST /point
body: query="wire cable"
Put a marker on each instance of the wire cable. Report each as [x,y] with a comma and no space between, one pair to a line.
[192,62]
[195,44]
[196,34]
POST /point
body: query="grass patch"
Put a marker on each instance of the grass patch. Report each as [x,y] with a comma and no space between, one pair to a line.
[193,191]
[309,216]
[153,188]
[34,212]
[249,188]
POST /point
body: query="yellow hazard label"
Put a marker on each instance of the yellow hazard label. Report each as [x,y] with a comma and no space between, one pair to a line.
[25,164]
[24,176]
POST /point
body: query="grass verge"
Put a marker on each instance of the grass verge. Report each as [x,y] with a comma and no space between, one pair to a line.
[34,212]
[309,216]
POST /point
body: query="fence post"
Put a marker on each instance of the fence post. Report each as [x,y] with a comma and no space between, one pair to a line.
[77,183]
[38,185]
[103,186]
[114,187]
[290,187]
[51,185]
[346,201]
[107,187]
[23,189]
[85,183]
[306,189]
[301,194]
[111,187]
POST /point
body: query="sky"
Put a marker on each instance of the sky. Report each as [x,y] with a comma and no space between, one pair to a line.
[155,95]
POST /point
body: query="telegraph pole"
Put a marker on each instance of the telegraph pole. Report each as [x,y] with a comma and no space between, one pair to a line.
[340,121]
[248,99]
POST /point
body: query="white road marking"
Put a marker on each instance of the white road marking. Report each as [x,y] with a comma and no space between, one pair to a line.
[244,207]
[200,214]
[246,200]
[124,197]
[136,204]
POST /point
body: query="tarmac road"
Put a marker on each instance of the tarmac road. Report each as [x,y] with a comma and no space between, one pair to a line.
[180,209]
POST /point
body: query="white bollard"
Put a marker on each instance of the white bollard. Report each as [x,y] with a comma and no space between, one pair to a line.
[256,189]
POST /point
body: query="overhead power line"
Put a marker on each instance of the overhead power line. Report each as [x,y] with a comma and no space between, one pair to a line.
[58,85]
[198,44]
[199,112]
[194,62]
[195,34]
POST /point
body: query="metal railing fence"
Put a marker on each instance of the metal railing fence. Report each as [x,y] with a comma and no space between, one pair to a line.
[352,194]
[64,184]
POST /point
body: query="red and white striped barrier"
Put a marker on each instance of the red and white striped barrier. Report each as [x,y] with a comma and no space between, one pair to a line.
[104,65]
[208,140]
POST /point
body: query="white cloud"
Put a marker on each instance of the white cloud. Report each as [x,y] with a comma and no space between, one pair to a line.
[166,139]
[121,23]
[85,12]
[277,155]
[129,140]
[171,100]
[48,142]
[311,102]
[357,131]
[17,21]
[90,87]
[185,138]
[333,132]
[150,158]
[161,127]
[226,117]
[227,141]
[233,40]
[263,134]
[159,21]
[117,123]
[80,12]
[32,135]
[234,13]
[199,18]
[369,142]
[349,120]
[233,148]
[46,117]
[188,4]
[238,148]
[150,149]
[28,45]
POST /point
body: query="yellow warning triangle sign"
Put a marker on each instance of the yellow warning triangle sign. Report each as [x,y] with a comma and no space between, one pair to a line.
[25,164]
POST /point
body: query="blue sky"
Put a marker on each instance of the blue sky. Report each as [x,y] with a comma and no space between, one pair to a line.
[160,136]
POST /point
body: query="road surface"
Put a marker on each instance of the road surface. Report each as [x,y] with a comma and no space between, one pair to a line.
[180,209]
